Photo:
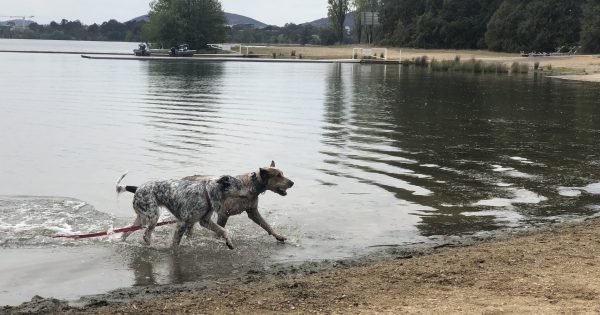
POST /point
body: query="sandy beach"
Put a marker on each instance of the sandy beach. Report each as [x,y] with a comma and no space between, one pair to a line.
[572,67]
[554,270]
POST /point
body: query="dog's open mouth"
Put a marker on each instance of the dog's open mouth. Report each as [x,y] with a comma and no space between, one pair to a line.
[281,191]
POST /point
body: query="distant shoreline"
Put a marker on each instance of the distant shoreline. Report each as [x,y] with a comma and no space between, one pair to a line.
[570,67]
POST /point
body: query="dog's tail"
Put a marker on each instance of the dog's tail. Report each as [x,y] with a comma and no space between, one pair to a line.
[122,188]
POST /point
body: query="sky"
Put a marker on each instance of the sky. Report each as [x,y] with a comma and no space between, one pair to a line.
[277,12]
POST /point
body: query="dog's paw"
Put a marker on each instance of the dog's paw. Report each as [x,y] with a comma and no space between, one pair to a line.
[228,243]
[280,238]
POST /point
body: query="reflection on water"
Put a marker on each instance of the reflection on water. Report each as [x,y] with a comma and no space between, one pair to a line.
[202,260]
[379,154]
[182,106]
[462,144]
[422,148]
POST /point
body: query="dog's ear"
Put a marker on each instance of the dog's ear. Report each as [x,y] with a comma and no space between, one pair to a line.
[264,174]
[224,181]
[272,164]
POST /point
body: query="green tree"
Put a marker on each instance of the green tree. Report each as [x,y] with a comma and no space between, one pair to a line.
[93,32]
[590,27]
[437,23]
[534,25]
[195,22]
[464,22]
[398,20]
[113,30]
[336,11]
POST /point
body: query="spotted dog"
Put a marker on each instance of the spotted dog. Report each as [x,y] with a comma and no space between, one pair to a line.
[254,184]
[188,201]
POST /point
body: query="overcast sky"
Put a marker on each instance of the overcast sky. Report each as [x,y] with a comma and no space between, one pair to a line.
[276,12]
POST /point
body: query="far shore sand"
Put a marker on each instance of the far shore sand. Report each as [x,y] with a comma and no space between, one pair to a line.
[555,270]
[573,67]
[581,77]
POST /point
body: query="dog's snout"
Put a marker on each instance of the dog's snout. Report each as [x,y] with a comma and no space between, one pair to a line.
[291,184]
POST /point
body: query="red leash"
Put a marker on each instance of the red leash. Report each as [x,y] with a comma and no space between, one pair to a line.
[121,230]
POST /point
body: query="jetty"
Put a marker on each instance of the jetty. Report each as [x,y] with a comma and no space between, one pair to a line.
[204,57]
[238,58]
[248,58]
[61,52]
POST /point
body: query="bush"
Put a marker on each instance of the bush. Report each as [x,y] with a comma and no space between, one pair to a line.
[421,61]
[524,68]
[477,66]
[448,64]
[435,65]
[467,66]
[514,67]
[472,65]
[489,68]
[501,68]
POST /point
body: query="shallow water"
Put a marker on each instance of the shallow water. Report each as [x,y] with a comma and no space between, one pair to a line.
[381,155]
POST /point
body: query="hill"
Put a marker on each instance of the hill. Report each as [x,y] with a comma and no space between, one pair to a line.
[325,23]
[236,19]
[231,18]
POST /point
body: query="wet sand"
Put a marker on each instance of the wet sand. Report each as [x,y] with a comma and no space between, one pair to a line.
[549,271]
[581,77]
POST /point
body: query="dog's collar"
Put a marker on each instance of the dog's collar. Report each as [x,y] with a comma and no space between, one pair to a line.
[258,185]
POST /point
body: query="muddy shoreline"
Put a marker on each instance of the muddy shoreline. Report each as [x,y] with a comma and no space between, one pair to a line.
[232,294]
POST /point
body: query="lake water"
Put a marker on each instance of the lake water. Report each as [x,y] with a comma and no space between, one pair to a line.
[380,156]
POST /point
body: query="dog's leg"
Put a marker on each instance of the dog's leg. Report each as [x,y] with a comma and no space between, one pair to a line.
[125,235]
[148,210]
[152,221]
[221,232]
[222,220]
[190,231]
[255,216]
[181,229]
[148,233]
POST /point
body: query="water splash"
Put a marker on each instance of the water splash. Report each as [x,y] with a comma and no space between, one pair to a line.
[32,221]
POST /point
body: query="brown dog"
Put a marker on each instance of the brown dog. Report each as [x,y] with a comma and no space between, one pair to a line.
[267,178]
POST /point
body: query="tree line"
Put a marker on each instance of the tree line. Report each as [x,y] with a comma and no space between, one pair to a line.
[74,30]
[500,25]
[290,33]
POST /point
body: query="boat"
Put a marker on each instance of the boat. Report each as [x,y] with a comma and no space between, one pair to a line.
[142,50]
[182,51]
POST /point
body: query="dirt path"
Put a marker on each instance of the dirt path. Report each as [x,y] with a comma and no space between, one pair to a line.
[555,271]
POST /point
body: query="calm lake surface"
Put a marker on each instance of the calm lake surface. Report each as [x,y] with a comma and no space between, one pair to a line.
[380,156]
